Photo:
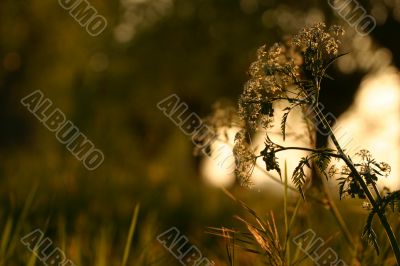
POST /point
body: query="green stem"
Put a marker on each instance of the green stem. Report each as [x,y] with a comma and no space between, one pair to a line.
[285,211]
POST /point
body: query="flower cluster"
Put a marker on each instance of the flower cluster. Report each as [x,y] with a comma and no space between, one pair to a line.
[245,159]
[287,70]
[223,117]
[224,114]
[318,38]
[270,75]
[371,169]
[319,47]
[368,168]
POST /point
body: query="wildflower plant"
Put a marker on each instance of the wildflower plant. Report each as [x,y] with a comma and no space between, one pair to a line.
[292,72]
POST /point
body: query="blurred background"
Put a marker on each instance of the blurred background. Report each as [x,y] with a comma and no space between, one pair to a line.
[109,86]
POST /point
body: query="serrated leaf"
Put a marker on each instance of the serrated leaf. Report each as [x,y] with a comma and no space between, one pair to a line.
[323,160]
[283,124]
[341,187]
[369,233]
[299,177]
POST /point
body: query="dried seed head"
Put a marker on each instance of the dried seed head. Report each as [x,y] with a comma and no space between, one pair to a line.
[295,64]
[245,159]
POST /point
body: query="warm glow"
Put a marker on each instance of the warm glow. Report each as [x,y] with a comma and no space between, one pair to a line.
[219,168]
[373,122]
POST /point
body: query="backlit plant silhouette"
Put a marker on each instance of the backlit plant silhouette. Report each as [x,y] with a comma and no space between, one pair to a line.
[292,73]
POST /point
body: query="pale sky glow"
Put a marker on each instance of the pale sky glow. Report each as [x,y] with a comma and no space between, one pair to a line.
[372,123]
[294,129]
[218,169]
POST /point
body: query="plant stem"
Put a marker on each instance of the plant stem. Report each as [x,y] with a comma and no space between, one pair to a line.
[332,206]
[308,149]
[378,195]
[330,202]
[285,211]
[336,214]
[379,211]
[277,180]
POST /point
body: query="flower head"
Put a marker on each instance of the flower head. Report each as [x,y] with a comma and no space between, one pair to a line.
[287,69]
[317,37]
[245,159]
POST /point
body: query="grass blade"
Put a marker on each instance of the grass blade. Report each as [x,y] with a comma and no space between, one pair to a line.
[130,235]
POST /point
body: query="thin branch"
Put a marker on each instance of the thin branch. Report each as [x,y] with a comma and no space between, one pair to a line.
[360,180]
[308,149]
